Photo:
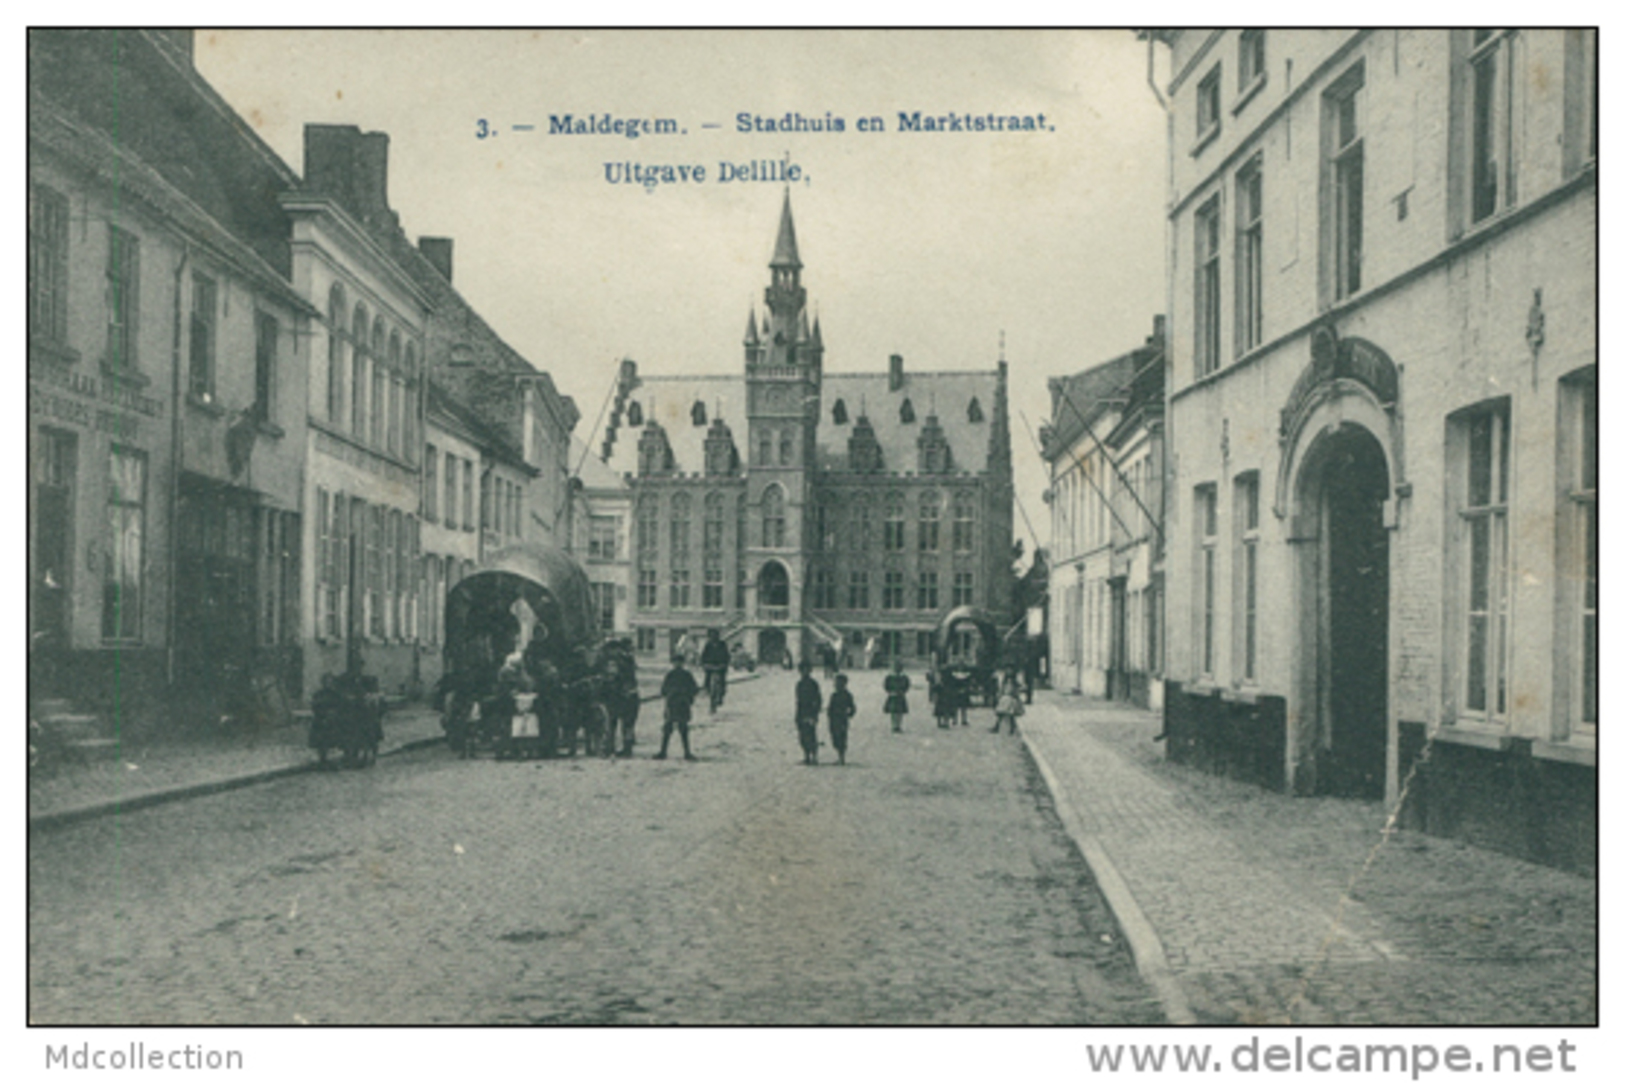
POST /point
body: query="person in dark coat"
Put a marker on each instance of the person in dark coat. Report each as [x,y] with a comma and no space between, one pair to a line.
[841,709]
[809,701]
[714,659]
[945,702]
[679,690]
[621,695]
[896,687]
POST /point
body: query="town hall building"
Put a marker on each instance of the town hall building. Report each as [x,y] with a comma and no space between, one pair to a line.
[794,508]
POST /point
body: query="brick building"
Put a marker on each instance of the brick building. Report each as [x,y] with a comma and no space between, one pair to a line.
[794,507]
[1382,420]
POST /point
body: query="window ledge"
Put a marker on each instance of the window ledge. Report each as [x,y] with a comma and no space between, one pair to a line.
[1564,752]
[1495,742]
[60,352]
[127,376]
[207,406]
[1204,139]
[1249,92]
[1204,687]
[1247,695]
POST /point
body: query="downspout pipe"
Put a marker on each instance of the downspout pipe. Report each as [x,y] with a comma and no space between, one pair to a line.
[176,461]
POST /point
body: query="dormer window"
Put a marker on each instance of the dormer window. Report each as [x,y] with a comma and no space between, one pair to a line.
[838,413]
[634,414]
[973,412]
[906,413]
[697,412]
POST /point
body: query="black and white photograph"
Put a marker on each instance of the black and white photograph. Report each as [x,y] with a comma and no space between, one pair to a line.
[872,528]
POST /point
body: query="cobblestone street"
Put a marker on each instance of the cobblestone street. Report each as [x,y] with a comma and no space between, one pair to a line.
[927,882]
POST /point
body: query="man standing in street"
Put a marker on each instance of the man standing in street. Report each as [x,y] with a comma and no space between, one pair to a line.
[841,710]
[679,690]
[714,660]
[809,701]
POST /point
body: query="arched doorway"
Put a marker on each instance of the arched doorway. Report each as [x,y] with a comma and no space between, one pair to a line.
[1343,703]
[770,646]
[773,586]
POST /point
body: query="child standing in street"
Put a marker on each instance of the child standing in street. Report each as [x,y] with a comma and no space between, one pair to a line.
[679,690]
[841,709]
[809,701]
[1009,708]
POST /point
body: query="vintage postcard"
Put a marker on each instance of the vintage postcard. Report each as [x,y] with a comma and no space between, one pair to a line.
[1076,528]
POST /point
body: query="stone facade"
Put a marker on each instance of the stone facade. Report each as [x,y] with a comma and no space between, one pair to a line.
[166,388]
[228,367]
[1382,413]
[1103,443]
[795,507]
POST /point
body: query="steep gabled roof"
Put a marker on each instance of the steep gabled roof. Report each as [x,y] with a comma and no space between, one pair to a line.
[948,395]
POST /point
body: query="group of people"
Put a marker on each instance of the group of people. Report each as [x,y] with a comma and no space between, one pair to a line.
[544,700]
[541,700]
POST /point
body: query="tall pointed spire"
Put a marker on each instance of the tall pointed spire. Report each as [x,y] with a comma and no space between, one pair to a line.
[751,338]
[784,252]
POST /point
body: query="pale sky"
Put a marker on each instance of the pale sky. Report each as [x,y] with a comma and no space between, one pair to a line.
[919,243]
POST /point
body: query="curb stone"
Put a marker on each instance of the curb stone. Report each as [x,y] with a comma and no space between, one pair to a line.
[1149,957]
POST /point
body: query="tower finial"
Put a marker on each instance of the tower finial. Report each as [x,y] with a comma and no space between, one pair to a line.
[1001,344]
[784,251]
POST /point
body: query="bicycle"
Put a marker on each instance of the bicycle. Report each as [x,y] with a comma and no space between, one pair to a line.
[716,686]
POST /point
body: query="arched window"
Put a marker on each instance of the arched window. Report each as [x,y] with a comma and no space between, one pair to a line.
[930,521]
[711,550]
[894,522]
[397,398]
[409,409]
[773,517]
[358,370]
[648,530]
[379,410]
[787,447]
[634,414]
[906,412]
[973,412]
[964,522]
[697,412]
[822,540]
[335,354]
[764,449]
[682,518]
[862,535]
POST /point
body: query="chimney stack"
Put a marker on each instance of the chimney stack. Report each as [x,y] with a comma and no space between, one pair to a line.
[1159,330]
[353,167]
[894,379]
[437,250]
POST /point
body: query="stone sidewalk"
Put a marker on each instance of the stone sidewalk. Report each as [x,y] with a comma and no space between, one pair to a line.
[1250,907]
[151,773]
[173,769]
